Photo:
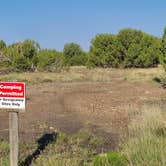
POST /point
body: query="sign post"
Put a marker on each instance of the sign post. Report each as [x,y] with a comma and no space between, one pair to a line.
[13,137]
[12,98]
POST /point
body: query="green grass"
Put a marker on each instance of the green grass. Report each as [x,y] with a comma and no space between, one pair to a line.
[74,150]
[146,144]
[4,153]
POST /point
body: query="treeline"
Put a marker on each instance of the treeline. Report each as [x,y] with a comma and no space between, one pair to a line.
[129,48]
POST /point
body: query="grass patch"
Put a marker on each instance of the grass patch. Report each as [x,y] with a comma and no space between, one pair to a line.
[110,159]
[143,75]
[69,150]
[147,139]
[4,153]
[79,74]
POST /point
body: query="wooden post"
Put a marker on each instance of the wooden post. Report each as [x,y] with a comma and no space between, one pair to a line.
[13,136]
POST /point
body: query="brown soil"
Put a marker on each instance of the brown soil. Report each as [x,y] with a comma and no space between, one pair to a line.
[69,107]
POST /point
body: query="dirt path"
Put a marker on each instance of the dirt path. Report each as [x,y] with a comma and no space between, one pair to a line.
[68,107]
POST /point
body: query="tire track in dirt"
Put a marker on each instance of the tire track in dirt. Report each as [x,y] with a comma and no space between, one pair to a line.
[69,107]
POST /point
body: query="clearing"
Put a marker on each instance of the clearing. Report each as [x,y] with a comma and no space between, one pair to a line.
[98,99]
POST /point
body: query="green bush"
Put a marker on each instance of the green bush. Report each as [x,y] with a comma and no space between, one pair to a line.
[21,63]
[110,159]
[129,48]
[20,55]
[105,51]
[74,55]
[49,60]
[2,44]
[78,60]
[100,161]
[163,49]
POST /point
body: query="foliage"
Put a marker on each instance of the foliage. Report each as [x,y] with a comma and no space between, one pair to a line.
[105,51]
[129,48]
[21,55]
[20,63]
[2,44]
[74,54]
[145,53]
[78,60]
[111,158]
[163,49]
[49,60]
[72,49]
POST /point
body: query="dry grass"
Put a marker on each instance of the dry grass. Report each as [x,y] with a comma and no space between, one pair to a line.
[143,75]
[146,144]
[147,138]
[78,74]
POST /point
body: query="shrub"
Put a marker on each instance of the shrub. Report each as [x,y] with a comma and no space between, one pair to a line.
[111,158]
[50,60]
[77,60]
[104,51]
[163,49]
[74,55]
[21,63]
[2,44]
[129,48]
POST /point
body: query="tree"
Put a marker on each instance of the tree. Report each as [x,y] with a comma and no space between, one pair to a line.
[27,48]
[127,38]
[20,52]
[163,49]
[72,49]
[2,44]
[21,64]
[145,53]
[105,51]
[164,42]
[50,60]
[74,54]
[129,48]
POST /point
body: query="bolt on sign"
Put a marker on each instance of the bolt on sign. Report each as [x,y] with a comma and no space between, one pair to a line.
[12,95]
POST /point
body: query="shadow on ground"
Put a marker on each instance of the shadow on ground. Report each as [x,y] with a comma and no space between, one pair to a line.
[43,142]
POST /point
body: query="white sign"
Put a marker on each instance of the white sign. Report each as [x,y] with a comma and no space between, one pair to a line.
[12,95]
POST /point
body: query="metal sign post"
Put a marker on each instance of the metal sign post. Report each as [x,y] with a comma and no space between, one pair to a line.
[12,98]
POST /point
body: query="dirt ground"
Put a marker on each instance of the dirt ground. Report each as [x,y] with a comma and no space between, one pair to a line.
[69,107]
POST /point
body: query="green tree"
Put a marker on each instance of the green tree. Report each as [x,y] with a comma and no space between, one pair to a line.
[128,38]
[145,53]
[129,48]
[50,60]
[163,49]
[72,49]
[105,51]
[21,64]
[22,54]
[74,54]
[2,44]
[27,48]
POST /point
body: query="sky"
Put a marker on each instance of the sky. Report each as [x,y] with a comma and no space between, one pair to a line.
[53,23]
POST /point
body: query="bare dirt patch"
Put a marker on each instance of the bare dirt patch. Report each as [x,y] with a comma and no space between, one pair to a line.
[69,107]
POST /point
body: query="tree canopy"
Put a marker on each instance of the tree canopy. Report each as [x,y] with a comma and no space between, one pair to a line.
[129,48]
[126,49]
